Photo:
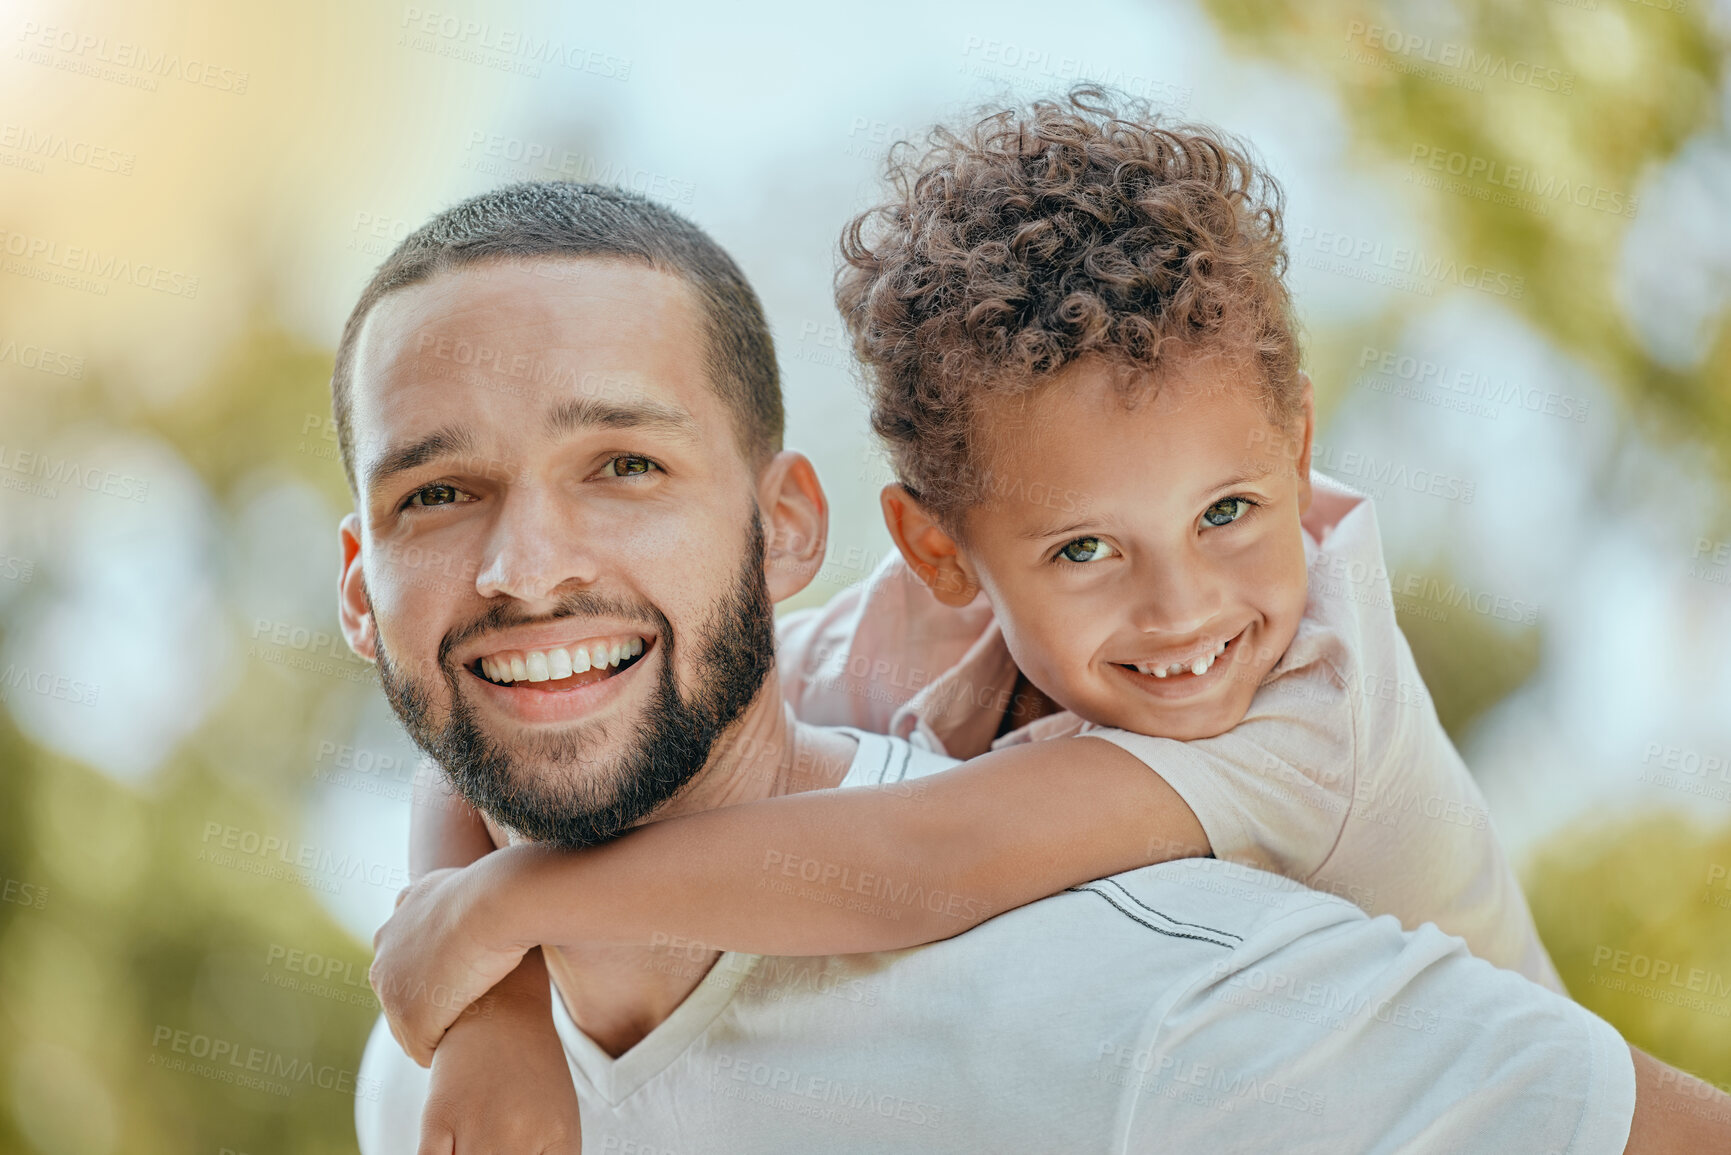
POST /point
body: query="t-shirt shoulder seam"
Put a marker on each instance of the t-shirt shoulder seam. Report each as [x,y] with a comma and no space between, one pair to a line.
[1354,706]
[1179,929]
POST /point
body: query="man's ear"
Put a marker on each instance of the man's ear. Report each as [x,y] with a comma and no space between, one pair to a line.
[354,608]
[1306,434]
[929,551]
[795,522]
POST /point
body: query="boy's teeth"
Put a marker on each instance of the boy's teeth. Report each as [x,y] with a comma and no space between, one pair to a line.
[554,664]
[1199,667]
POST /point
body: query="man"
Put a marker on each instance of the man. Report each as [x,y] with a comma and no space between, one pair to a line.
[559,408]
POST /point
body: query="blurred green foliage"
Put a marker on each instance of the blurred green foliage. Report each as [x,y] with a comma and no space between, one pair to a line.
[1636,911]
[132,938]
[1641,80]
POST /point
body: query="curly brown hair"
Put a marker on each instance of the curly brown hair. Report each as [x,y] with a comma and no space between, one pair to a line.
[1040,236]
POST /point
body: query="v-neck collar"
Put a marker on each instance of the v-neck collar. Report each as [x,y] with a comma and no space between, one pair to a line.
[614,1080]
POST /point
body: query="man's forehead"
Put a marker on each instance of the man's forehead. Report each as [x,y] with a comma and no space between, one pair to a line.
[528,335]
[542,306]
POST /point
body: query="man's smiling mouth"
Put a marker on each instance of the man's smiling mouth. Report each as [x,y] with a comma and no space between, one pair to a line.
[563,667]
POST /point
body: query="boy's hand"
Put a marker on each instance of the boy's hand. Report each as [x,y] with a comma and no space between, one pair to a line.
[434,956]
[500,1082]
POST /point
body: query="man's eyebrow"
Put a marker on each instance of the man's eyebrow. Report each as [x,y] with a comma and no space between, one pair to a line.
[446,441]
[569,416]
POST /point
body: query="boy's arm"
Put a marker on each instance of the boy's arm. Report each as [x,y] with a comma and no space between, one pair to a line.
[444,830]
[823,872]
[499,1076]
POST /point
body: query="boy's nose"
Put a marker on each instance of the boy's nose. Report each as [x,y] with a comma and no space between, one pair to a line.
[1175,598]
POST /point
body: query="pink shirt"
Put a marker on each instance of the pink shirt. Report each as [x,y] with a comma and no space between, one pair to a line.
[1339,777]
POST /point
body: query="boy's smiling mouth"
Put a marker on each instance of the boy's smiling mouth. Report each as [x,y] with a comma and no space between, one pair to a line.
[1187,673]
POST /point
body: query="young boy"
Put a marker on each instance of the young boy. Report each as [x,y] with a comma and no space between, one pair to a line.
[1083,362]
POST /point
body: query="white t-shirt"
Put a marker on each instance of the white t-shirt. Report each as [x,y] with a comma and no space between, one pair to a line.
[1196,1005]
[1339,776]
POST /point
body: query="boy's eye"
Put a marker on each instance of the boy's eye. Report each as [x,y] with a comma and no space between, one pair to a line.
[1085,549]
[1226,511]
[429,495]
[627,466]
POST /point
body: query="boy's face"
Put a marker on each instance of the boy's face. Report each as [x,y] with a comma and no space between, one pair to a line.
[1145,562]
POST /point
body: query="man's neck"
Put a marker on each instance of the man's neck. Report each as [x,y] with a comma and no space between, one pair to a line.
[617,995]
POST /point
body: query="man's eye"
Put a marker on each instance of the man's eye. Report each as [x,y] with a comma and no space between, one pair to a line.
[1085,549]
[1227,511]
[627,466]
[437,495]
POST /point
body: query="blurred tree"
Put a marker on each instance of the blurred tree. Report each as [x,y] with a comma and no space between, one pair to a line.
[1636,912]
[1632,83]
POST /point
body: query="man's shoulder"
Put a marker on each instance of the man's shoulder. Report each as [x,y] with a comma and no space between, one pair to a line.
[1200,907]
[883,760]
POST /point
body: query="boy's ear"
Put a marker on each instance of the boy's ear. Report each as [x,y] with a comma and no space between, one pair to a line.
[354,608]
[929,551]
[1306,434]
[795,523]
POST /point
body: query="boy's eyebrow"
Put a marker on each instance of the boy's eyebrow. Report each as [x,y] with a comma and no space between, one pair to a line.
[1072,527]
[1246,473]
[445,441]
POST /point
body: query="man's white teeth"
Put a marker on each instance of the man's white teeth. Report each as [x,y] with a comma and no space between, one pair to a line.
[553,664]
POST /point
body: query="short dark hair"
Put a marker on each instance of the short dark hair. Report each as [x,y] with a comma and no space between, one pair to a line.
[1032,238]
[566,219]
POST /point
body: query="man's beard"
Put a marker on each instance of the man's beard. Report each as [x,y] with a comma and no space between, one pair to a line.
[593,801]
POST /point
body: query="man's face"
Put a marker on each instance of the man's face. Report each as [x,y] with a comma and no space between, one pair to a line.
[561,551]
[1171,578]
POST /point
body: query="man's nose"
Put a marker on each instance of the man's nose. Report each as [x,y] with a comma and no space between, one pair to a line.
[1175,596]
[536,545]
